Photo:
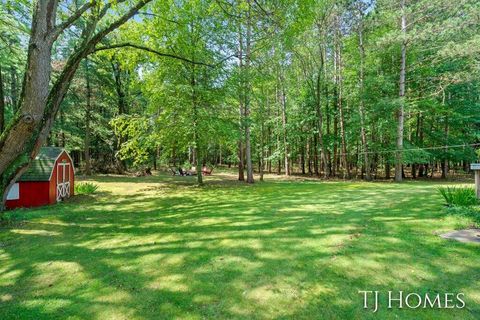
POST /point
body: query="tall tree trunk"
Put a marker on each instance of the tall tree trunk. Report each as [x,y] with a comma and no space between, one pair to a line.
[309,156]
[302,156]
[318,106]
[315,156]
[262,138]
[2,104]
[335,144]
[155,157]
[196,138]
[120,164]
[119,87]
[323,150]
[283,103]
[445,157]
[248,152]
[328,165]
[241,161]
[14,88]
[220,160]
[241,169]
[387,169]
[339,83]
[361,105]
[400,113]
[88,110]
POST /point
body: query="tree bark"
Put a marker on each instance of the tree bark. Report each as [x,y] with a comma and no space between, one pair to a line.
[119,87]
[323,150]
[387,170]
[361,105]
[262,138]
[241,158]
[88,110]
[2,104]
[196,138]
[400,113]
[248,152]
[302,156]
[241,169]
[220,160]
[315,156]
[13,88]
[283,103]
[339,83]
[122,109]
[445,157]
[335,139]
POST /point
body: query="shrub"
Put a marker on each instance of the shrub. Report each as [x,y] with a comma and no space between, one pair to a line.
[459,196]
[85,188]
[471,214]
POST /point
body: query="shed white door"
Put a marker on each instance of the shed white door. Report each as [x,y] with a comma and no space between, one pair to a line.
[63,181]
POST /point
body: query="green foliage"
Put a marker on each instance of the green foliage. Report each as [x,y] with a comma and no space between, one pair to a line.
[85,188]
[147,107]
[470,212]
[138,136]
[458,196]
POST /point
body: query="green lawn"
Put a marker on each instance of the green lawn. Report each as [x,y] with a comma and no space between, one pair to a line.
[161,248]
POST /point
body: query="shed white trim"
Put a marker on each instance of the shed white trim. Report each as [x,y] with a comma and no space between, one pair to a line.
[54,166]
[14,192]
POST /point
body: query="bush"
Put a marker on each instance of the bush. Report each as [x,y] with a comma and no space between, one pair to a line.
[463,197]
[85,188]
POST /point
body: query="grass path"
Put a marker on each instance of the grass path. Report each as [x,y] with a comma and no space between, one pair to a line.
[160,248]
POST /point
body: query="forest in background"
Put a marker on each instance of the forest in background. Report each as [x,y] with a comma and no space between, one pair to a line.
[348,89]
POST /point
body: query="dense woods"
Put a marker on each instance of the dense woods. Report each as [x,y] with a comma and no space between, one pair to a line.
[348,89]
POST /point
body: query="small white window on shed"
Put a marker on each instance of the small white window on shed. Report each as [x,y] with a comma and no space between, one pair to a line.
[14,193]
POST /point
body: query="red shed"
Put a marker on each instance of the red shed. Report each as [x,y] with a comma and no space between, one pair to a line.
[49,179]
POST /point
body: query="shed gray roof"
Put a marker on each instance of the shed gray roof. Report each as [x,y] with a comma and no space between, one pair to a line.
[41,168]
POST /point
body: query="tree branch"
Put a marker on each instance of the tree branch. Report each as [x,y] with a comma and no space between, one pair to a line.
[117,23]
[158,53]
[74,17]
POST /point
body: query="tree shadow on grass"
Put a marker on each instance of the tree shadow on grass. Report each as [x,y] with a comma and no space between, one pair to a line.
[266,252]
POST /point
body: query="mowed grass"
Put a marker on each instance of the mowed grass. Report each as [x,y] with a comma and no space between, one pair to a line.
[161,248]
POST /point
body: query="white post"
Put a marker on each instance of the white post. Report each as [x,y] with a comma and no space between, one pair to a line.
[476,168]
[477,183]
